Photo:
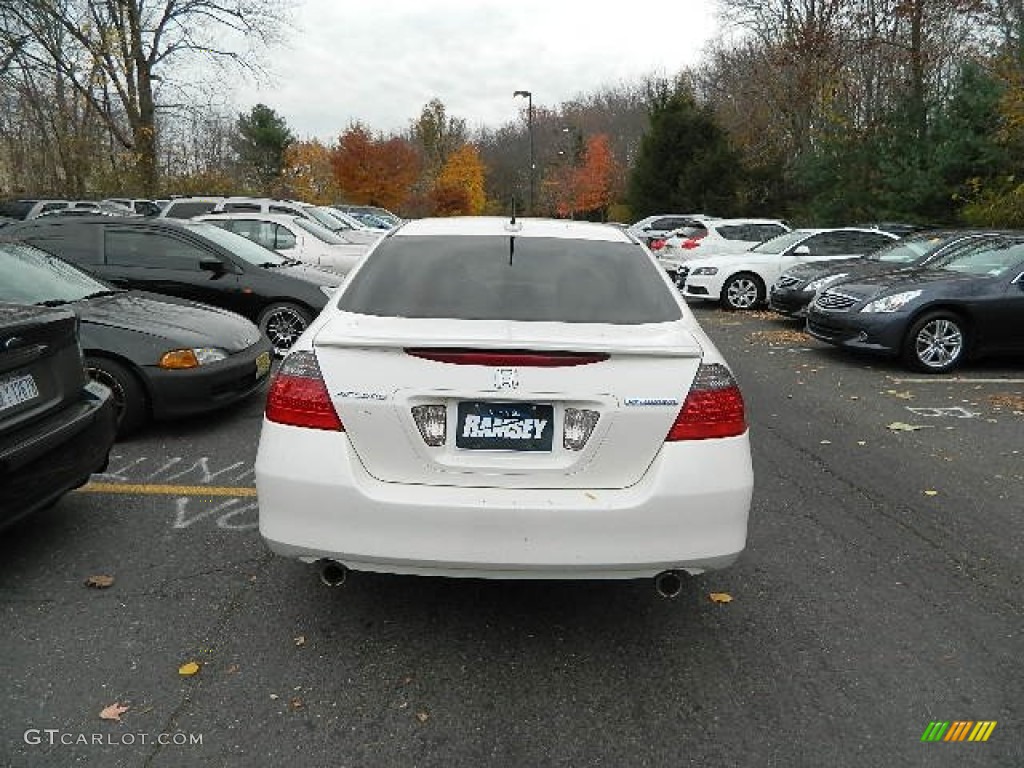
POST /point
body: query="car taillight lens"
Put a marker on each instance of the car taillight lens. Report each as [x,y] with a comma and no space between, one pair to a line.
[713,407]
[657,245]
[298,395]
[690,244]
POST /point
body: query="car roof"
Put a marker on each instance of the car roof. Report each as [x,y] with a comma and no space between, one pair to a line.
[496,226]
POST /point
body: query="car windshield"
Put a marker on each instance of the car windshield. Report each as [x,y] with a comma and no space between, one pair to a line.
[239,246]
[32,276]
[320,233]
[511,278]
[910,249]
[779,244]
[990,259]
[325,218]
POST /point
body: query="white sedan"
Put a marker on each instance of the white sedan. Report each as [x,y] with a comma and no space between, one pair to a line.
[294,236]
[740,281]
[509,399]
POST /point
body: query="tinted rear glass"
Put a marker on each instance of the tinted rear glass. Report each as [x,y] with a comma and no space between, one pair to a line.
[188,210]
[506,278]
[16,209]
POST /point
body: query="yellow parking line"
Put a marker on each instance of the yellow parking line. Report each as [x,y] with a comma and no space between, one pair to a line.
[168,490]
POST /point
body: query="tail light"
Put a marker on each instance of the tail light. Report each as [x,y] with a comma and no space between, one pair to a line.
[690,243]
[657,245]
[298,395]
[713,407]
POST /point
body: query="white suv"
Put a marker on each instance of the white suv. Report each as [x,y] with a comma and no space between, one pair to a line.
[700,239]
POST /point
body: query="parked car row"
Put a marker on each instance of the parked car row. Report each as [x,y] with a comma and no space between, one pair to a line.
[932,299]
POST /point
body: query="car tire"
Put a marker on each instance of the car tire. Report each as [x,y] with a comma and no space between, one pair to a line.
[283,323]
[742,292]
[130,401]
[936,342]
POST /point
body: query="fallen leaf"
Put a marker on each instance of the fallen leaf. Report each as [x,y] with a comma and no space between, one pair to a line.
[188,669]
[900,395]
[930,492]
[300,640]
[422,716]
[720,597]
[296,703]
[232,670]
[899,426]
[114,711]
[100,582]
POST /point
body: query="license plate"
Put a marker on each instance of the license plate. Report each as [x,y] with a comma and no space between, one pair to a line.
[504,426]
[262,364]
[16,391]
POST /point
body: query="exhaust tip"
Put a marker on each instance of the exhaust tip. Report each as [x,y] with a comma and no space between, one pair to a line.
[332,573]
[669,584]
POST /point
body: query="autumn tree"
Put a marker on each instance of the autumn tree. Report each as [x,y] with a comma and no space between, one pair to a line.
[126,59]
[308,173]
[596,178]
[438,135]
[459,188]
[374,171]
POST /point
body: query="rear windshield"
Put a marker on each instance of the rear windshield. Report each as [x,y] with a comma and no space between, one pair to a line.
[16,209]
[511,278]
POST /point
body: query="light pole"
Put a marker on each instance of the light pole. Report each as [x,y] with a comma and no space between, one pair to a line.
[529,128]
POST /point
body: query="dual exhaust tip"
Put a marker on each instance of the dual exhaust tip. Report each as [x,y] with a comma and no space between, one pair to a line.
[668,584]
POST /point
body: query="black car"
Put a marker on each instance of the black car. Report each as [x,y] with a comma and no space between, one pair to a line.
[56,425]
[966,304]
[162,357]
[191,260]
[791,294]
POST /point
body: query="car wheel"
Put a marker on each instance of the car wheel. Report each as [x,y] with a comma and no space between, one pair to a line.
[130,402]
[283,323]
[742,291]
[936,343]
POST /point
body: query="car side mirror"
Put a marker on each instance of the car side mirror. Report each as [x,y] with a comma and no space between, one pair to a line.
[801,250]
[212,264]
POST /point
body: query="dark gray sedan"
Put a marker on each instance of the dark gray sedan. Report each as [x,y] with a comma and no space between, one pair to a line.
[162,357]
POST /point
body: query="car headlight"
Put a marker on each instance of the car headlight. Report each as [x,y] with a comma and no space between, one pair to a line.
[705,271]
[328,290]
[892,303]
[178,359]
[821,282]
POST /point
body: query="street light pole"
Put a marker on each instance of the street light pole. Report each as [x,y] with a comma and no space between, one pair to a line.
[529,127]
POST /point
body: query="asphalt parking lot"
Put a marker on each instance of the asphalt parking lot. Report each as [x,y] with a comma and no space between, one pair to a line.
[881,591]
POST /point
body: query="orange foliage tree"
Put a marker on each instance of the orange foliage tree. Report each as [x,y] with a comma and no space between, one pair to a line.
[309,174]
[374,171]
[459,188]
[596,177]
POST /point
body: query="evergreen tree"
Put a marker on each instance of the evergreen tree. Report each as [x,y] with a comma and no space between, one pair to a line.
[260,145]
[685,163]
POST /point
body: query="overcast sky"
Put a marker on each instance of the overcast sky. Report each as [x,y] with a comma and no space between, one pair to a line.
[381,62]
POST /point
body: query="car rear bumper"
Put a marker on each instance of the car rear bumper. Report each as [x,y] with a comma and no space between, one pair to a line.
[207,388]
[44,460]
[317,501]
